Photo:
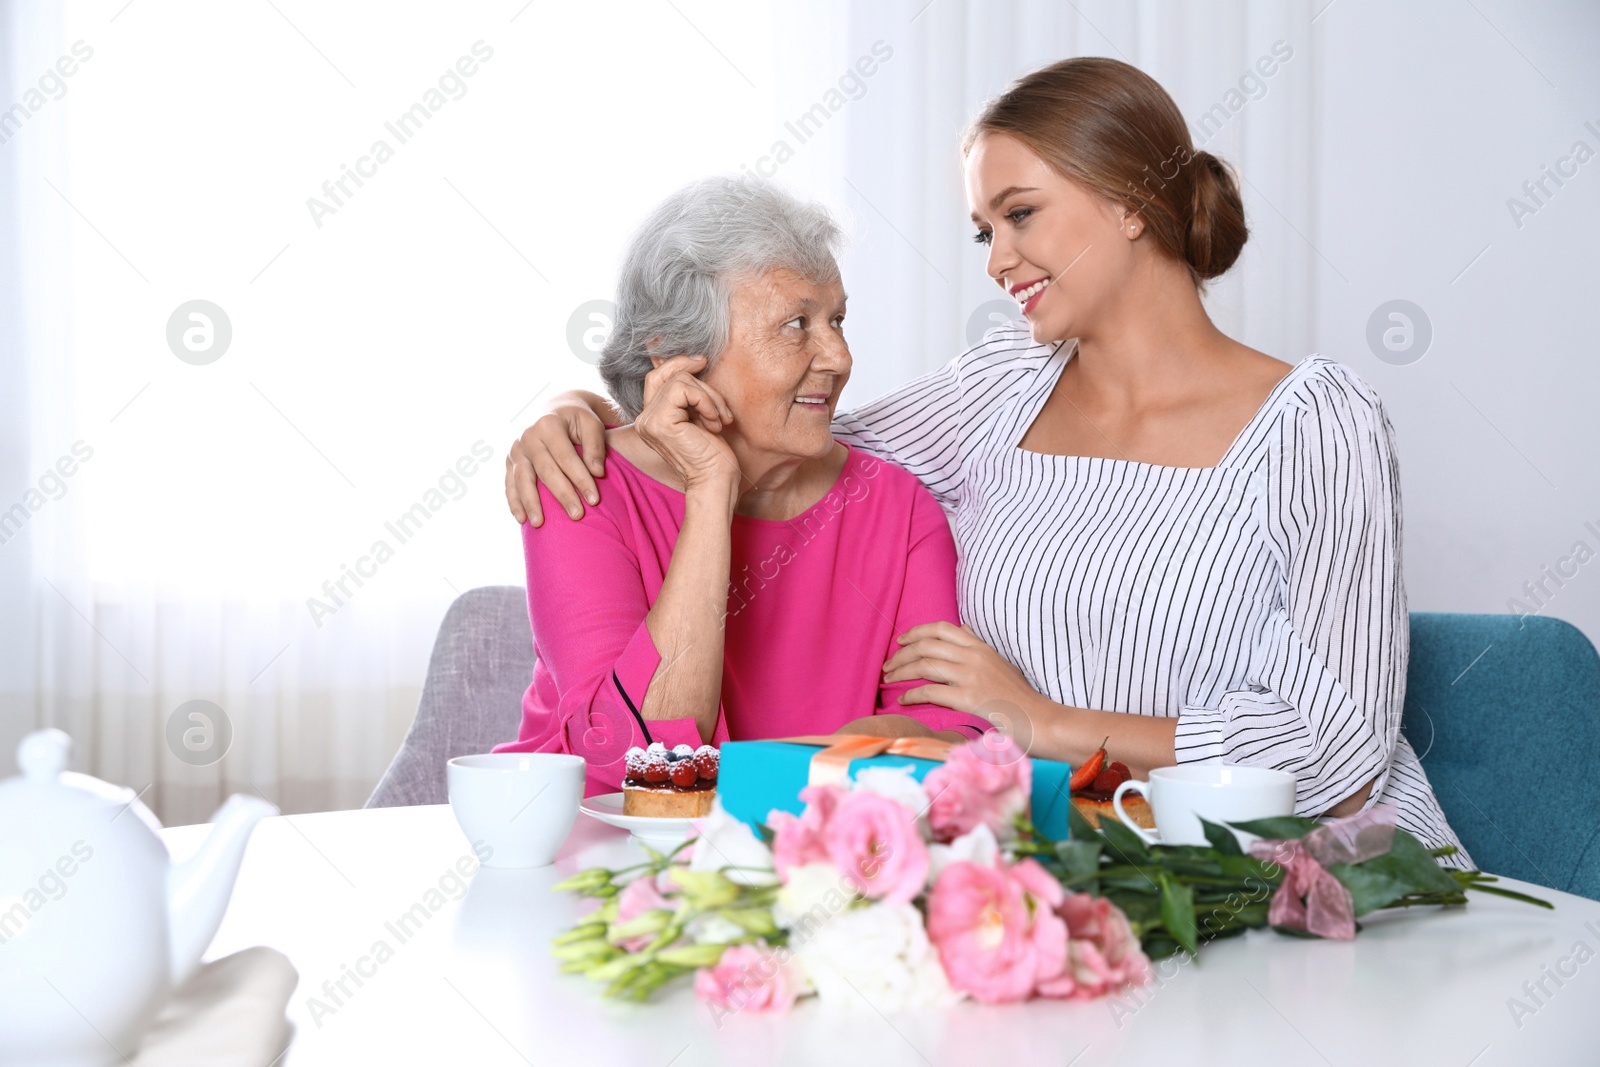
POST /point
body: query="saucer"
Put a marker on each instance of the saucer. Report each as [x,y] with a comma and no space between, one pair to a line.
[653,830]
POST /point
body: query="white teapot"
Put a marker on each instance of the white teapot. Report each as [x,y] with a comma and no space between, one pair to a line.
[97,925]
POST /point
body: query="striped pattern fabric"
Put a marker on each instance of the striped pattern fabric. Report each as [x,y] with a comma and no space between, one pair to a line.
[1260,602]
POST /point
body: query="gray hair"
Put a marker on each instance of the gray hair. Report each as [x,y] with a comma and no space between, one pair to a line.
[684,261]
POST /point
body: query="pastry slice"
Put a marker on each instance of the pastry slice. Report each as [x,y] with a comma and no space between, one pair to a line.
[676,784]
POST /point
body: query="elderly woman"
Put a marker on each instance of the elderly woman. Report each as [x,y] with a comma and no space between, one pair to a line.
[746,574]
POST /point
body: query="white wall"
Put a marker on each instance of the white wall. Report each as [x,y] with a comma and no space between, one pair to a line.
[1430,117]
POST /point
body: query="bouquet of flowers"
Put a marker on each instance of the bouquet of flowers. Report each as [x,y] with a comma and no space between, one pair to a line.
[913,894]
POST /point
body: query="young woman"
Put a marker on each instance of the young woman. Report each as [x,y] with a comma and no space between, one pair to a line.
[1166,538]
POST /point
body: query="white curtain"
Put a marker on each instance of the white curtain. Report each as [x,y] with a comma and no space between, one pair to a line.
[217,537]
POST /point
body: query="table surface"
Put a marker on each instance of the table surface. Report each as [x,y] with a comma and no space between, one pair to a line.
[476,982]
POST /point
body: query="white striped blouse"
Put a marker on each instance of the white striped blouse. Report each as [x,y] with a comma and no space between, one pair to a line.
[1260,601]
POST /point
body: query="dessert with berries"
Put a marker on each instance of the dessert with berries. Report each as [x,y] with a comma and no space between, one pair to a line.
[1094,783]
[677,783]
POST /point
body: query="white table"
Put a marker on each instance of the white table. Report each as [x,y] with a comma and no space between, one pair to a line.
[476,983]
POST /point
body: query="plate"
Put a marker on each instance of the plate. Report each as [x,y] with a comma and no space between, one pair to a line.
[607,807]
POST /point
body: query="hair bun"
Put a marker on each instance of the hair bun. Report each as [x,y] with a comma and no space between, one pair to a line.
[1216,232]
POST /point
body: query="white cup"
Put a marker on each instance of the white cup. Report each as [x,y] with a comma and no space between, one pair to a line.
[519,804]
[1217,792]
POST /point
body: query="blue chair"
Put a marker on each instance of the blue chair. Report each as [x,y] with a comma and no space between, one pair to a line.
[1505,713]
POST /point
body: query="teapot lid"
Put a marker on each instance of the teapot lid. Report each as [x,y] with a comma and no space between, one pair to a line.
[42,755]
[47,793]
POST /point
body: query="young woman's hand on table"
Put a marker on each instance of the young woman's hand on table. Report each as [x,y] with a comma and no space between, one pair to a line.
[966,674]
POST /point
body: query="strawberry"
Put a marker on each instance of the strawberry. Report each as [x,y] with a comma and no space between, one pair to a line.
[1108,780]
[1084,776]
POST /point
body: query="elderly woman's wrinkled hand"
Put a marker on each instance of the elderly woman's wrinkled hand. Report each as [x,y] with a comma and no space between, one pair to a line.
[682,420]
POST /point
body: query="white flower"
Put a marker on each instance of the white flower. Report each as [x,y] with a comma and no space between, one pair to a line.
[814,894]
[726,842]
[713,929]
[878,955]
[898,785]
[979,847]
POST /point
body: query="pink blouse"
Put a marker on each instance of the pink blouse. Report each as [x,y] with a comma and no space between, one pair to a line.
[814,606]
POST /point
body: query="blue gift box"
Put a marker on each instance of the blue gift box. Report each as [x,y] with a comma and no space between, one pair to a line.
[757,777]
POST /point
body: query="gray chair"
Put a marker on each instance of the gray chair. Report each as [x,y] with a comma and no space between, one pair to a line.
[471,701]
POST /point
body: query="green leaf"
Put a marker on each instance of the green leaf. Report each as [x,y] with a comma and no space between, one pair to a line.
[1123,842]
[1406,870]
[1194,864]
[1141,909]
[1158,947]
[1138,880]
[1079,826]
[1430,877]
[1251,872]
[1372,884]
[1228,920]
[1481,887]
[1278,828]
[1177,913]
[1221,838]
[1078,856]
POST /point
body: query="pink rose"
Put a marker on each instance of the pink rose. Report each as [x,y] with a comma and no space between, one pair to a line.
[874,841]
[802,839]
[998,937]
[636,898]
[984,782]
[748,977]
[1103,954]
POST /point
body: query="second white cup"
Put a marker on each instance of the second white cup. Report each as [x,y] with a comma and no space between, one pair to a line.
[519,804]
[1217,792]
